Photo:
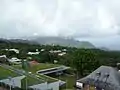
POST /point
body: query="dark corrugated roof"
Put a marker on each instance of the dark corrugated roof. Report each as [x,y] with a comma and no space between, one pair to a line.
[104,77]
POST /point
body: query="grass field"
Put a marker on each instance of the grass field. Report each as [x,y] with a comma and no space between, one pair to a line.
[70,81]
[47,78]
[41,66]
[5,73]
[29,81]
[35,68]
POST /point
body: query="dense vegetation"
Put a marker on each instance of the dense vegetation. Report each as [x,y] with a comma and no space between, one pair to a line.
[82,61]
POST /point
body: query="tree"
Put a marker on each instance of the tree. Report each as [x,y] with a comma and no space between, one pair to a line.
[84,61]
[25,65]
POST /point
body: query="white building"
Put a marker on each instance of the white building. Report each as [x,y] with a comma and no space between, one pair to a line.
[33,53]
[15,50]
[37,50]
[62,54]
[55,61]
[42,50]
[15,60]
[64,50]
[3,59]
[3,56]
[55,51]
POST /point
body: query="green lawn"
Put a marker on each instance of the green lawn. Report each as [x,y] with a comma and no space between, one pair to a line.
[38,67]
[70,81]
[5,73]
[33,81]
[29,81]
[42,66]
[47,78]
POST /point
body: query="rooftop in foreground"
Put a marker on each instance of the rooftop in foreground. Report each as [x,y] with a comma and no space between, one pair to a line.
[30,81]
[8,71]
[105,77]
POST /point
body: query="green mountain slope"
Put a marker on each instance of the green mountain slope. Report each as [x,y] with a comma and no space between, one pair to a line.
[63,42]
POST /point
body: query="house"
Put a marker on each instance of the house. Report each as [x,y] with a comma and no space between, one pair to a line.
[15,50]
[33,53]
[32,63]
[103,78]
[15,60]
[55,61]
[3,59]
[3,56]
[61,54]
[37,50]
[64,50]
[42,50]
[55,51]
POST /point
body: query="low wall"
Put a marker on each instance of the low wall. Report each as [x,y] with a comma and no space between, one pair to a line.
[15,82]
[46,86]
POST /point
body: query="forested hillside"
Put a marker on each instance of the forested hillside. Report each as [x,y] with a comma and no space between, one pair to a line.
[82,61]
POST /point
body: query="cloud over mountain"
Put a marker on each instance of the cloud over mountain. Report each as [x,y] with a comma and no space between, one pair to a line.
[60,17]
[72,18]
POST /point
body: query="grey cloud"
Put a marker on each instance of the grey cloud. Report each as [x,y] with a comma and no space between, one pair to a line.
[74,18]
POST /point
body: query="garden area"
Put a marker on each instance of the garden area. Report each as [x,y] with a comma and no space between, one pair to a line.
[5,73]
[36,67]
[70,81]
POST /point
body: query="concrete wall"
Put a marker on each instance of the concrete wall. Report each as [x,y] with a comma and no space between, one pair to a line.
[54,86]
[45,86]
[15,82]
[42,86]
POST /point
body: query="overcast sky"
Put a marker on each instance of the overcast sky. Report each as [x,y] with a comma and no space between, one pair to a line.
[97,21]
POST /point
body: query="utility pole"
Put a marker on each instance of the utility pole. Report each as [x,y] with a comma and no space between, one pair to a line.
[66,83]
[26,82]
[10,79]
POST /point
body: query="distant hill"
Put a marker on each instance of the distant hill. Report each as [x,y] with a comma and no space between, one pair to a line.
[16,41]
[50,41]
[22,41]
[104,48]
[63,42]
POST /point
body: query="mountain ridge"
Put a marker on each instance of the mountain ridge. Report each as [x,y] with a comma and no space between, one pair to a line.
[63,42]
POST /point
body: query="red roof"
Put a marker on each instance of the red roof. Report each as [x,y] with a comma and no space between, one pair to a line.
[34,62]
